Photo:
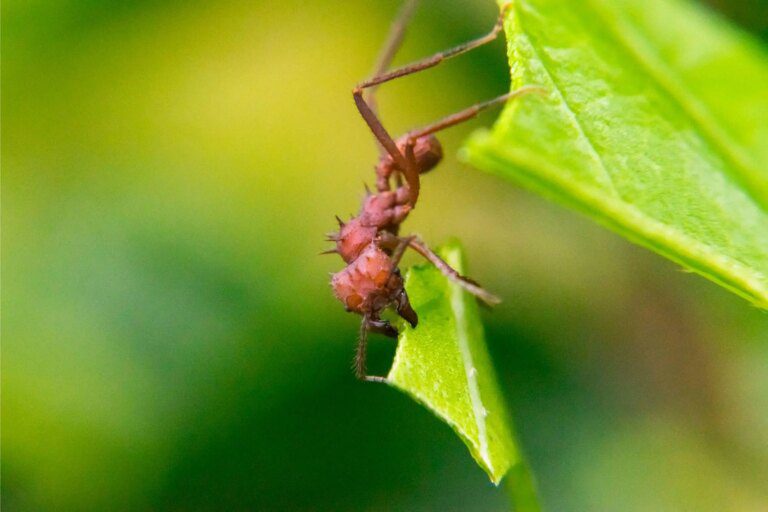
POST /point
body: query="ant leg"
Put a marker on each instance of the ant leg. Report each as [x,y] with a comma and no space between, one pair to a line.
[468,284]
[407,163]
[439,57]
[380,133]
[360,352]
[380,326]
[452,120]
[394,40]
[399,250]
[470,112]
[366,106]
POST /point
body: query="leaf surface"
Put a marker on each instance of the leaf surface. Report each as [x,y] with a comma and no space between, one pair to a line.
[655,124]
[444,364]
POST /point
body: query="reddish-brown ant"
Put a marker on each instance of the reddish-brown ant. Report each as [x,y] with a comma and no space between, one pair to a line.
[369,243]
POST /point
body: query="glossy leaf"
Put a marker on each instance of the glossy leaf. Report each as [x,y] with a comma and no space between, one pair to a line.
[655,124]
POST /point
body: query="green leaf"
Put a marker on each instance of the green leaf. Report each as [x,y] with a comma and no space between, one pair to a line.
[444,364]
[655,124]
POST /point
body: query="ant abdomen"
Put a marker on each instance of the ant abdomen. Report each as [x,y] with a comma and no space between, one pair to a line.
[427,152]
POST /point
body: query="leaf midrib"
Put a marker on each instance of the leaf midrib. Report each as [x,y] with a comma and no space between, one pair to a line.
[475,398]
[659,236]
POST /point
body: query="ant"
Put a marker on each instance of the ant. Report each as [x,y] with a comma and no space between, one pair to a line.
[369,243]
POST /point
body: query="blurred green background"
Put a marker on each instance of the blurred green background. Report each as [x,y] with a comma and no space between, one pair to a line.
[170,338]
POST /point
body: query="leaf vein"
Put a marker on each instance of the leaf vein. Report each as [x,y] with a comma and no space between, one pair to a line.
[569,109]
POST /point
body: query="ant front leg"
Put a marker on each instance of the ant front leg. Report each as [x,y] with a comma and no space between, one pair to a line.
[397,244]
[382,327]
[361,354]
[470,112]
[361,351]
[364,98]
[405,163]
[439,57]
[448,271]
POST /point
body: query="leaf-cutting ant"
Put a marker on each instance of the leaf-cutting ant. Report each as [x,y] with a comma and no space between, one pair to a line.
[369,243]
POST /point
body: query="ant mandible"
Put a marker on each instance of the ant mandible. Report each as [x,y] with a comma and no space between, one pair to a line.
[369,243]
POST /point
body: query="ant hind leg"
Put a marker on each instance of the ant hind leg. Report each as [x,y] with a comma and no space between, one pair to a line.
[434,60]
[361,354]
[470,112]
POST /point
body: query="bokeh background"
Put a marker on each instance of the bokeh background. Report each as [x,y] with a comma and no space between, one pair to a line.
[170,340]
